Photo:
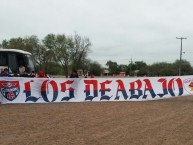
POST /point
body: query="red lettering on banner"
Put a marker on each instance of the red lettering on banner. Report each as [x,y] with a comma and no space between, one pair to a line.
[148,85]
[91,82]
[27,85]
[103,90]
[44,86]
[64,84]
[164,83]
[149,88]
[171,86]
[121,88]
[136,91]
[52,83]
[120,85]
[178,81]
[55,90]
[44,90]
[64,89]
[133,86]
[27,92]
[103,85]
[164,87]
[87,90]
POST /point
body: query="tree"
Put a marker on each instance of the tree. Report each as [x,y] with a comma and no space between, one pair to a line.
[140,68]
[16,43]
[162,69]
[122,68]
[113,67]
[186,68]
[4,43]
[53,68]
[95,68]
[40,55]
[90,66]
[61,47]
[79,51]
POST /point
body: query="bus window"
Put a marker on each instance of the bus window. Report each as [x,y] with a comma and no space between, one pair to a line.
[3,62]
[3,59]
[20,59]
[13,64]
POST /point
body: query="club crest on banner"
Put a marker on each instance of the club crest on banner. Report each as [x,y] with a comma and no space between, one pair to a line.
[9,89]
[188,85]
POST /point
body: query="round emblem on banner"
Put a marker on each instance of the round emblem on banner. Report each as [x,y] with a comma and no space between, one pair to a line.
[188,85]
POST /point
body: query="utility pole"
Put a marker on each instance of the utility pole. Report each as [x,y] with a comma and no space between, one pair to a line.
[179,67]
[130,66]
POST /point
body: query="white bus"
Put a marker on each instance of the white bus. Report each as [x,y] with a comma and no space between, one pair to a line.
[12,58]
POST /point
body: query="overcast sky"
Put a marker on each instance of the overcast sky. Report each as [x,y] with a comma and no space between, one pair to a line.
[144,30]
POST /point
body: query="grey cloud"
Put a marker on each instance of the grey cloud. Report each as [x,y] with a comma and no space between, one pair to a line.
[119,29]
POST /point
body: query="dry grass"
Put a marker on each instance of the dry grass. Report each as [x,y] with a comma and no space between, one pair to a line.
[163,122]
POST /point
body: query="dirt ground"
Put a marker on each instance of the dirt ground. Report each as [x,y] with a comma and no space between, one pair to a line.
[162,122]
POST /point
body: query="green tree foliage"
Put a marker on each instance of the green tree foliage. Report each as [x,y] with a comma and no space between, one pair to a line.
[122,68]
[161,69]
[113,67]
[54,68]
[61,47]
[4,44]
[41,56]
[90,66]
[170,69]
[140,68]
[67,50]
[16,43]
[95,68]
[186,68]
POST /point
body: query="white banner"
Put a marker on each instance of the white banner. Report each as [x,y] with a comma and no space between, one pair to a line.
[44,90]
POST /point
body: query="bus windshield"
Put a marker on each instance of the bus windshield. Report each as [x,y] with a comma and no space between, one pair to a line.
[29,63]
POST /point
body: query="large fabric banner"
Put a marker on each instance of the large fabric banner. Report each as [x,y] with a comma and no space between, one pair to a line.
[44,90]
